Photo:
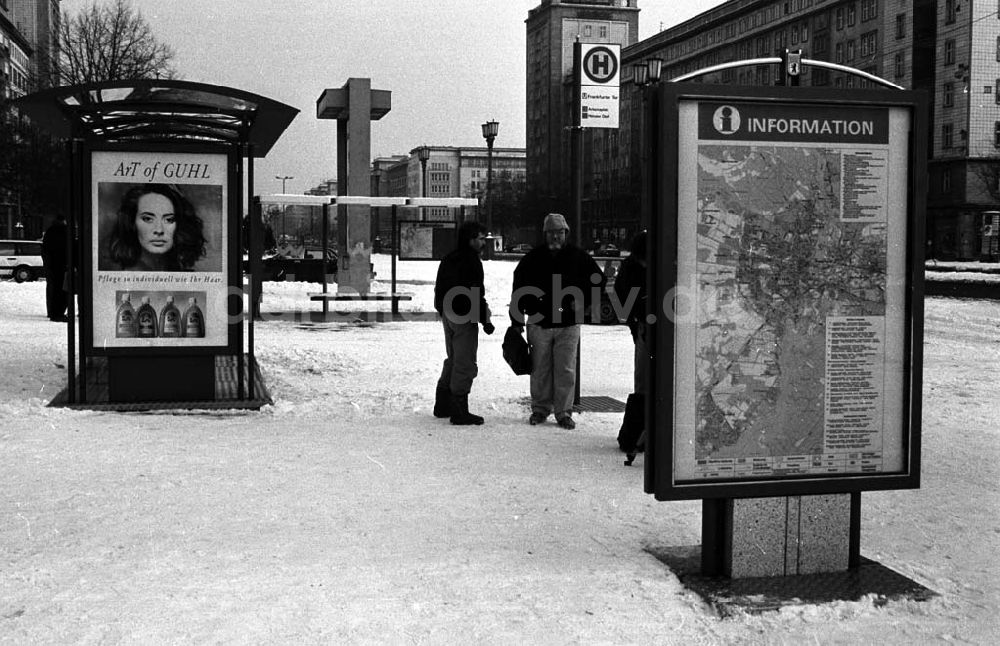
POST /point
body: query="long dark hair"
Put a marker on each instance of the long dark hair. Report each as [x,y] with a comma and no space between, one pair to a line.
[189,240]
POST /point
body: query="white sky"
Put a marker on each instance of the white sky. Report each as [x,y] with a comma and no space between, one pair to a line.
[450,64]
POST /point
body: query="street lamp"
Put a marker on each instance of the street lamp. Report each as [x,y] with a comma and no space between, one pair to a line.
[283,178]
[645,74]
[423,154]
[490,130]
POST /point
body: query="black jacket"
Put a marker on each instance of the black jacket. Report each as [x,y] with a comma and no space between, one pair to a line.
[462,269]
[632,276]
[535,285]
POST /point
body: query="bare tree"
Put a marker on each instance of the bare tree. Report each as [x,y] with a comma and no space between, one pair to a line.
[111,42]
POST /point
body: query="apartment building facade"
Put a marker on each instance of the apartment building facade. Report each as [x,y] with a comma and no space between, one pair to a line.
[947,48]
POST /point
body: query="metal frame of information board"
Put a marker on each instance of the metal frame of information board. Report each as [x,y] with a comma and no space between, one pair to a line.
[669,224]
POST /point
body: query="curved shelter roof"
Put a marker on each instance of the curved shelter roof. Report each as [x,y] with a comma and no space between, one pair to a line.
[160,111]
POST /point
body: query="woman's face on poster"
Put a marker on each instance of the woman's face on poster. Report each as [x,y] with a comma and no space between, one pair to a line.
[155,223]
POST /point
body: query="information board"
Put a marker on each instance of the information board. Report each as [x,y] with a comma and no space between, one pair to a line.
[789,312]
[425,240]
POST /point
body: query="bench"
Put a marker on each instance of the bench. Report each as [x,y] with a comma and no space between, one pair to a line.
[377,296]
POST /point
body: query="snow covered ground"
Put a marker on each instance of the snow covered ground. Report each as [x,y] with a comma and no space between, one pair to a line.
[346,513]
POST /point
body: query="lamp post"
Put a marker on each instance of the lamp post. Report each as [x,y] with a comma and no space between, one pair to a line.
[423,154]
[283,178]
[490,130]
[644,75]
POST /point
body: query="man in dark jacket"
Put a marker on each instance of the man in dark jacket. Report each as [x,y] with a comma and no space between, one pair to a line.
[554,284]
[54,259]
[460,299]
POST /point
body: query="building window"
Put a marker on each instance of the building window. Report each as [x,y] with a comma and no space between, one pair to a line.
[949,51]
[839,20]
[996,134]
[869,43]
[946,181]
[603,31]
[850,50]
[838,82]
[838,53]
[949,11]
[869,10]
[851,17]
[948,94]
[900,65]
[996,97]
[900,26]
[947,135]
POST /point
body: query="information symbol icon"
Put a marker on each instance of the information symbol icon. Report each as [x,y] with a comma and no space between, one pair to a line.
[726,120]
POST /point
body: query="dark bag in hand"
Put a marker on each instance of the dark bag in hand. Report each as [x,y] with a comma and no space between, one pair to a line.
[516,352]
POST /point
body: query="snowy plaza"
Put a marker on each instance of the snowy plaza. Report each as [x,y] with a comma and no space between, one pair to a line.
[346,513]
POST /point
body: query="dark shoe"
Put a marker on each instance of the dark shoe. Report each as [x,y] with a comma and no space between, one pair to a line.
[442,402]
[566,422]
[536,418]
[460,415]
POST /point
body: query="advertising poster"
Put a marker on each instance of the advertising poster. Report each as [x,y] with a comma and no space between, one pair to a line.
[792,248]
[159,245]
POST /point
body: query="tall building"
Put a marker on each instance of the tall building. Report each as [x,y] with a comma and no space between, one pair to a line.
[15,56]
[39,22]
[552,28]
[949,48]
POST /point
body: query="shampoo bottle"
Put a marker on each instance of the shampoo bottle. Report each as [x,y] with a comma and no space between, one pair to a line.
[125,325]
[170,319]
[193,322]
[146,319]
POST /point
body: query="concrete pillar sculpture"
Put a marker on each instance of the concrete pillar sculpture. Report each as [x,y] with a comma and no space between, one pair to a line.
[354,106]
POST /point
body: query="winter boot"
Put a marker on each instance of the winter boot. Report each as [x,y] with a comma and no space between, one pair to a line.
[631,439]
[442,402]
[460,415]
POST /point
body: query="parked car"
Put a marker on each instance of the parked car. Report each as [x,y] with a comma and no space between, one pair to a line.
[608,250]
[21,259]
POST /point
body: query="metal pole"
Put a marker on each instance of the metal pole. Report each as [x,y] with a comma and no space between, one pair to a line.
[326,241]
[76,169]
[576,162]
[576,149]
[489,186]
[393,236]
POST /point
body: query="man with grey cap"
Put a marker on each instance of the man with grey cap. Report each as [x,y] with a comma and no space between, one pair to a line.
[554,284]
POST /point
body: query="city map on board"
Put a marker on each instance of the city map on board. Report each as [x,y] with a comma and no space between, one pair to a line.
[791,268]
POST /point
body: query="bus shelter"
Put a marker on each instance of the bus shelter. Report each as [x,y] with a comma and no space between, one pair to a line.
[162,319]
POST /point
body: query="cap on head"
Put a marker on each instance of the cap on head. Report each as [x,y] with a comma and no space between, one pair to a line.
[555,222]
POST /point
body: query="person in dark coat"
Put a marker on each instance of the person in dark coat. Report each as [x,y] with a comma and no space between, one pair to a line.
[630,288]
[460,299]
[554,285]
[54,258]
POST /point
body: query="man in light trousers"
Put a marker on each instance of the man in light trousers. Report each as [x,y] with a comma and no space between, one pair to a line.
[554,284]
